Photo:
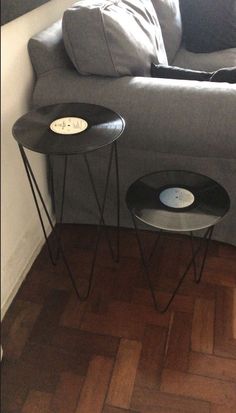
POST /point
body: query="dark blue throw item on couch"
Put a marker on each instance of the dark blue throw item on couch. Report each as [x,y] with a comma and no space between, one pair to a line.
[172,72]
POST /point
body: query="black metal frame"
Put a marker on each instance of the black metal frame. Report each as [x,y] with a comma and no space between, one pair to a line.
[195,251]
[38,198]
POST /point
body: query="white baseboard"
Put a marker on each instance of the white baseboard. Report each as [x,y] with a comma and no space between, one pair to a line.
[22,273]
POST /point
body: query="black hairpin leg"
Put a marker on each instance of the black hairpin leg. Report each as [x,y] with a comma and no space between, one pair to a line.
[35,190]
[58,227]
[117,197]
[155,245]
[37,194]
[100,224]
[98,204]
[145,264]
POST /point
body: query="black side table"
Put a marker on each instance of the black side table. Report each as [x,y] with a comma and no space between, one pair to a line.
[64,130]
[177,201]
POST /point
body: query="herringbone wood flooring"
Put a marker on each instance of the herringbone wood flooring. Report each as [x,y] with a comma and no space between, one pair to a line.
[114,353]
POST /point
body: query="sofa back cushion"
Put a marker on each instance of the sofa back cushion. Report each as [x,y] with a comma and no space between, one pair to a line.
[113,38]
[208,25]
[168,13]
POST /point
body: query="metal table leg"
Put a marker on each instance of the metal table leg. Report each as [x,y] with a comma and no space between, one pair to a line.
[38,198]
[145,263]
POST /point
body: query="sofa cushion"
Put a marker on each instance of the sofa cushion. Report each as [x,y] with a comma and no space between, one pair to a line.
[113,38]
[208,25]
[168,13]
[205,61]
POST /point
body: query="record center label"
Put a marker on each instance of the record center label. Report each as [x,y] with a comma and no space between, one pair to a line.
[176,197]
[68,125]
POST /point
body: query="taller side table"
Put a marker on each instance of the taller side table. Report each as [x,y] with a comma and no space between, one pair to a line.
[64,130]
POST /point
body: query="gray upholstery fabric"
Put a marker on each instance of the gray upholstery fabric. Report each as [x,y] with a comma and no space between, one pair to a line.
[168,13]
[179,117]
[208,25]
[113,38]
[170,124]
[47,51]
[179,124]
[205,61]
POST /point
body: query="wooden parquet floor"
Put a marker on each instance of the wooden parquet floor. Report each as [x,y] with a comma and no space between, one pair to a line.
[114,353]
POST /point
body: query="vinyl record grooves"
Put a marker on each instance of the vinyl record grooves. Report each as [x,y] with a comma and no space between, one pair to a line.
[177,200]
[33,130]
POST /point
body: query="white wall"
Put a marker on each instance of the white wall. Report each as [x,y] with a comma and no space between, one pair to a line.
[21,233]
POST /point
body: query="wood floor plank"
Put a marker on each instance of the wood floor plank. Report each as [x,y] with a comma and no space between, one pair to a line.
[20,329]
[124,320]
[37,402]
[111,409]
[49,317]
[127,275]
[199,387]
[67,393]
[74,310]
[224,344]
[212,366]
[79,342]
[102,291]
[146,400]
[13,394]
[234,315]
[168,259]
[220,271]
[27,376]
[95,385]
[115,353]
[181,303]
[217,408]
[123,377]
[188,288]
[202,339]
[152,357]
[32,291]
[54,360]
[179,342]
[202,290]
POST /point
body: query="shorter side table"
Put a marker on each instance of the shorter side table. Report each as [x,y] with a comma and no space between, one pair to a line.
[65,130]
[177,201]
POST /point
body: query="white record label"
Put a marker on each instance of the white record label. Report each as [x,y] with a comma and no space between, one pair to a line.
[68,126]
[176,197]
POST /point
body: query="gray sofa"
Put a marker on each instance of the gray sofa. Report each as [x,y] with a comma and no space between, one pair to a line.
[170,124]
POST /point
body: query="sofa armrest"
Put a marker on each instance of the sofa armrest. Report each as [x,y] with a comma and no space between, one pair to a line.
[163,115]
[47,51]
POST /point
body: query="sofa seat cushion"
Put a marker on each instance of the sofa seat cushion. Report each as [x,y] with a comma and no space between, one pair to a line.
[205,61]
[113,38]
[168,13]
[208,25]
